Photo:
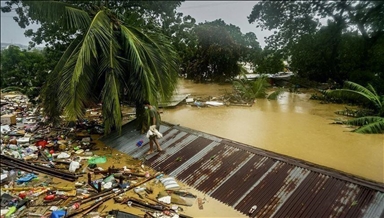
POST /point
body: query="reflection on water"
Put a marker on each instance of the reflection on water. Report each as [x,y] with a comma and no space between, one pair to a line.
[292,125]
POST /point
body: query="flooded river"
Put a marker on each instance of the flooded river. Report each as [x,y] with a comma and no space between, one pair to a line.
[293,125]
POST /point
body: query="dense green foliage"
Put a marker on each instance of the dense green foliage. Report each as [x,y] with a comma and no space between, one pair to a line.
[110,55]
[217,50]
[217,55]
[197,62]
[367,97]
[56,32]
[270,62]
[25,71]
[348,46]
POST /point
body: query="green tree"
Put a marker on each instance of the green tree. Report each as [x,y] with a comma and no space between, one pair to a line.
[107,57]
[271,62]
[367,97]
[180,29]
[145,13]
[218,50]
[216,56]
[298,24]
[313,56]
[23,70]
[249,47]
[251,51]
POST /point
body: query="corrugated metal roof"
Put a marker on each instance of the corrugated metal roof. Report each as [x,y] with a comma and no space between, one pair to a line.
[242,176]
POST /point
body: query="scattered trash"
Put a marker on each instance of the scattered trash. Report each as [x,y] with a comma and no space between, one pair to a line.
[63,155]
[169,183]
[34,154]
[26,178]
[97,160]
[252,210]
[165,199]
[139,143]
[58,214]
[73,166]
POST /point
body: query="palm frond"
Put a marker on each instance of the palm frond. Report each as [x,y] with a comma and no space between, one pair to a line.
[259,87]
[49,92]
[361,121]
[348,94]
[354,91]
[369,125]
[368,92]
[372,89]
[137,53]
[251,89]
[240,85]
[111,102]
[113,71]
[163,62]
[357,87]
[70,16]
[78,77]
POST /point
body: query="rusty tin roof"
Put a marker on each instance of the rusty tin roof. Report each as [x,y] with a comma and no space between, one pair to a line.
[242,176]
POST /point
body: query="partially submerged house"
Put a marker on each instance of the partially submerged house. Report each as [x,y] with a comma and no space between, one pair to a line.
[243,176]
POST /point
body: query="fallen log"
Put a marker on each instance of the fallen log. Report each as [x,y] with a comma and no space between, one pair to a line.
[53,172]
[19,167]
[108,196]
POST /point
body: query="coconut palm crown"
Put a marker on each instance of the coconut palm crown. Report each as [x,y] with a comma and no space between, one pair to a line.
[368,97]
[107,58]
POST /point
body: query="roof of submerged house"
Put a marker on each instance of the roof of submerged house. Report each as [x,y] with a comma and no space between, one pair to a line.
[242,176]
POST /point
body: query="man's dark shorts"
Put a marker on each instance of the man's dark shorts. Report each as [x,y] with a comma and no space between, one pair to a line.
[152,137]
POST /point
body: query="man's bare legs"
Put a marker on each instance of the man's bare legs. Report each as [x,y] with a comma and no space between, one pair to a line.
[157,144]
[150,151]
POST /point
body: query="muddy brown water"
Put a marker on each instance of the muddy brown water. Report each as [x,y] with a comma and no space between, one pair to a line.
[293,125]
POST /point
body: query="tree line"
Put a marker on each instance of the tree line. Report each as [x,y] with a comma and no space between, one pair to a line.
[327,40]
[110,51]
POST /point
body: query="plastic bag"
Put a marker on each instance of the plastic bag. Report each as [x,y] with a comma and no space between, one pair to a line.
[153,131]
[97,160]
[74,166]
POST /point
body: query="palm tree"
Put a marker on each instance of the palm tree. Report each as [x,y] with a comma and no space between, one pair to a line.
[368,97]
[254,89]
[107,57]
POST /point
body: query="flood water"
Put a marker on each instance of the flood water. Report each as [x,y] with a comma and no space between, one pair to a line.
[293,125]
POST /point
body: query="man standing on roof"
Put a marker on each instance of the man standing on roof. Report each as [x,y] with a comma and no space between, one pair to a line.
[154,120]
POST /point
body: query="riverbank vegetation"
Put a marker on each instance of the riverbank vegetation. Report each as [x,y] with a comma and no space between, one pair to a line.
[128,51]
[372,121]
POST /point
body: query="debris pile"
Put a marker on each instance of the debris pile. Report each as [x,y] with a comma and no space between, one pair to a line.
[65,171]
[229,99]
